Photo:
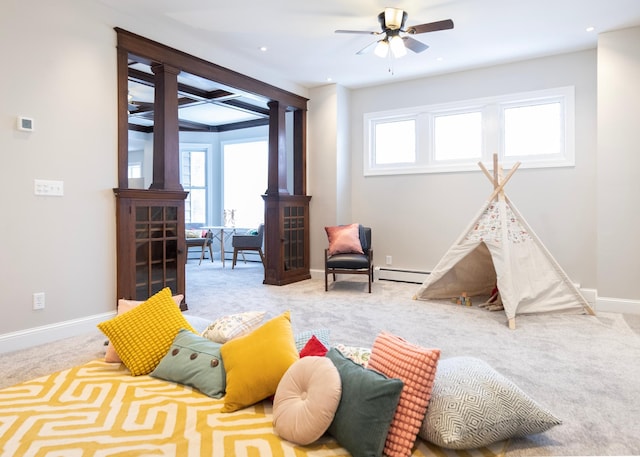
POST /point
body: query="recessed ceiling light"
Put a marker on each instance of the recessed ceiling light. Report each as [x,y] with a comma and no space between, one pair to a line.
[263,48]
[590,29]
[440,59]
[329,79]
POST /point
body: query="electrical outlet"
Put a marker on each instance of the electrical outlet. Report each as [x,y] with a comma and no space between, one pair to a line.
[38,300]
[389,260]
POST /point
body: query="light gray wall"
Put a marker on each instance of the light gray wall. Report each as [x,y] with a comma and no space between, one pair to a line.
[62,73]
[328,164]
[62,58]
[618,182]
[586,215]
[415,218]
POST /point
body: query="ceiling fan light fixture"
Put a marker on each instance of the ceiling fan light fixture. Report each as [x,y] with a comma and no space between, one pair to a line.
[397,46]
[393,18]
[382,48]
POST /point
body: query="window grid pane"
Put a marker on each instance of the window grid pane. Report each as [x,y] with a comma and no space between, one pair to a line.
[533,130]
[395,142]
[458,136]
[193,179]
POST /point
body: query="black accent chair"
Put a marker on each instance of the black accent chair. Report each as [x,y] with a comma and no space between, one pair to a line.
[359,264]
[242,243]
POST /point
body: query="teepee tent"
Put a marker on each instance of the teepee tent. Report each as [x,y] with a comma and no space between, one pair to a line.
[499,249]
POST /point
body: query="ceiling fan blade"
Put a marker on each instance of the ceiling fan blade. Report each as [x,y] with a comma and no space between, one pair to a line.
[414,45]
[431,27]
[367,48]
[361,32]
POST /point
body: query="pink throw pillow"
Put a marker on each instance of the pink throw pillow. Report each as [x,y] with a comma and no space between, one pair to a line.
[416,367]
[344,239]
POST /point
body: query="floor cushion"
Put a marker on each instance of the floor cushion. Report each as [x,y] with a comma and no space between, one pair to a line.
[472,405]
[306,400]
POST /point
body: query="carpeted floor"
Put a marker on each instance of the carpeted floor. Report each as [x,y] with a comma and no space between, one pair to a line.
[583,368]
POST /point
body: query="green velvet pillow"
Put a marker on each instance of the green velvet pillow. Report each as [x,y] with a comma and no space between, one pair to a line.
[366,409]
[193,361]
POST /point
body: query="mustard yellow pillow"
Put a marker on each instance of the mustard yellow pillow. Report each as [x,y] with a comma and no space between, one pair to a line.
[143,335]
[256,362]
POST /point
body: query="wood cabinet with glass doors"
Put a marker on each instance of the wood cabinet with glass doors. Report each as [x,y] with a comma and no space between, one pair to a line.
[154,257]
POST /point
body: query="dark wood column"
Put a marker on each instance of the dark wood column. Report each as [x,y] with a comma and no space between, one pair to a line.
[277,173]
[123,119]
[300,152]
[166,160]
[286,216]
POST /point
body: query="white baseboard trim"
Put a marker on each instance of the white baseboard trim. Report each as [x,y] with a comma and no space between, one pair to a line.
[23,339]
[591,295]
[617,305]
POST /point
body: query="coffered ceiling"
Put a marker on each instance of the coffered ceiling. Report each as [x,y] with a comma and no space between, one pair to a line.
[203,105]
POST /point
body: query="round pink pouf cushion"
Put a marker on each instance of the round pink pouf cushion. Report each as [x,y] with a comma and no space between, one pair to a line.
[306,400]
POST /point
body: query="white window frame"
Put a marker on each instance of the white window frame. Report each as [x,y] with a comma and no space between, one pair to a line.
[492,109]
[198,147]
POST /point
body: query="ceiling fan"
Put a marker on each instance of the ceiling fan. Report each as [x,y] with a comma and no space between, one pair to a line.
[396,38]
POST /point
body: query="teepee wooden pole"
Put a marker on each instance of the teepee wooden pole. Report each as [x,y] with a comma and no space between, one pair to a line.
[501,185]
[487,174]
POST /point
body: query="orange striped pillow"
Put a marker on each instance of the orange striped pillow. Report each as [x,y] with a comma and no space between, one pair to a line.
[416,367]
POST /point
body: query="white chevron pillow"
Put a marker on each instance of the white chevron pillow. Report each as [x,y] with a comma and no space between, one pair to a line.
[472,406]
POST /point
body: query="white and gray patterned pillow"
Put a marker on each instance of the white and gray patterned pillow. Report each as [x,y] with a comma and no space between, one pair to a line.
[302,338]
[472,405]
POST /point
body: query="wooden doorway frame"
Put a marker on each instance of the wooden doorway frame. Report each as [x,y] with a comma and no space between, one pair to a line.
[279,268]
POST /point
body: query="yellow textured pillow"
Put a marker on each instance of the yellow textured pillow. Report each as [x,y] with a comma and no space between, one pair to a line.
[110,354]
[256,362]
[143,335]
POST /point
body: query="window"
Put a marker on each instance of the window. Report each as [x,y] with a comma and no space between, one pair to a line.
[134,170]
[395,142]
[193,177]
[534,128]
[449,145]
[245,181]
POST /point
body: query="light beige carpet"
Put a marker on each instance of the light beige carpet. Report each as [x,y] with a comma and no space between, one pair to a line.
[583,368]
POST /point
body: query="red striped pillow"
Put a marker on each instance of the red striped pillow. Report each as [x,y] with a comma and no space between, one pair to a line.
[416,367]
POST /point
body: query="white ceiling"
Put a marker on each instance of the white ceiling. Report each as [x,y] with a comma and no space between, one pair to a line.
[303,48]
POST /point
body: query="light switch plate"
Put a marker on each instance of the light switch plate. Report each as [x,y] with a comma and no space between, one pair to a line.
[48,187]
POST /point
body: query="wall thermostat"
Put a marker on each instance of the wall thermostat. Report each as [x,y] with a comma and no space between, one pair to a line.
[25,124]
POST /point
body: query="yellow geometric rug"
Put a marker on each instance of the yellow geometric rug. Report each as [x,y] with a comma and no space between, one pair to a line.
[99,409]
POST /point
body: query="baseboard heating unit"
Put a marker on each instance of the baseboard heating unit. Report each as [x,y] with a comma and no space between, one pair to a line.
[394,274]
